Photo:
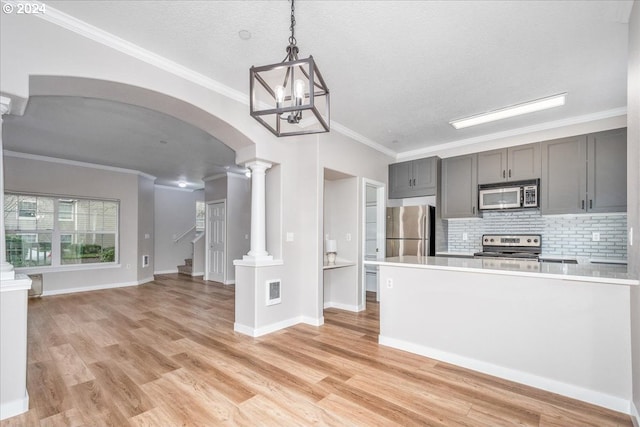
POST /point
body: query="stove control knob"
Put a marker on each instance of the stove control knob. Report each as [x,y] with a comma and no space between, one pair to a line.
[491,240]
[535,240]
[486,240]
[528,240]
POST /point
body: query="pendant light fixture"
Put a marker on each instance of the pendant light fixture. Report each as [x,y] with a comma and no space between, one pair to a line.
[290,97]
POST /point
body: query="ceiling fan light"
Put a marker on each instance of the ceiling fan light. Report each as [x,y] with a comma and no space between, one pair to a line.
[512,111]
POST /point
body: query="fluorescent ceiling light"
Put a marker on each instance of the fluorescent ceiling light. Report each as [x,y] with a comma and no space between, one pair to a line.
[515,110]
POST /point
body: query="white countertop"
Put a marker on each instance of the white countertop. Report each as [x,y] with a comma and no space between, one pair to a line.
[598,273]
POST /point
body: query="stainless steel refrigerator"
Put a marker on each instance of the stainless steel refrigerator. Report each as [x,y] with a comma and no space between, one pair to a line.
[410,231]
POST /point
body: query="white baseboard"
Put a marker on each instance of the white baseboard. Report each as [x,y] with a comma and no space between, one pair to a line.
[341,306]
[591,396]
[46,293]
[166,271]
[199,273]
[635,415]
[258,332]
[229,282]
[313,321]
[14,407]
[146,280]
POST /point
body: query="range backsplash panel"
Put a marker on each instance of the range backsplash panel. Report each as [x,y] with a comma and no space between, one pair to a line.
[562,235]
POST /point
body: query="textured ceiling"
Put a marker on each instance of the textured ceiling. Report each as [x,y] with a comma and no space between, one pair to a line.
[398,71]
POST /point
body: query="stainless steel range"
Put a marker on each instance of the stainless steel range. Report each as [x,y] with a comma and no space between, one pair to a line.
[511,246]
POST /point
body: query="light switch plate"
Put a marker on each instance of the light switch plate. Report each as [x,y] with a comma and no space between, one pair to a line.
[289,237]
[595,236]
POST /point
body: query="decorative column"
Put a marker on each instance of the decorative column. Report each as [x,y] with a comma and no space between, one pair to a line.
[6,269]
[258,251]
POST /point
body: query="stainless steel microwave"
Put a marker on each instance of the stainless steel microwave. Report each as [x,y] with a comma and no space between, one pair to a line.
[509,195]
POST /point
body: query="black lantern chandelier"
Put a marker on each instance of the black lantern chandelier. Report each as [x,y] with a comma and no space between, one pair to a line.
[290,97]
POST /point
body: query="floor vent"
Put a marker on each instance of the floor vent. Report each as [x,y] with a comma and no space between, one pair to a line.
[36,285]
[273,292]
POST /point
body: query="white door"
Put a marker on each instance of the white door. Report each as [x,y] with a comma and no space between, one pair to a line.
[216,229]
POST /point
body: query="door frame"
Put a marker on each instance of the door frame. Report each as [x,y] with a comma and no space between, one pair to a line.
[207,251]
[380,233]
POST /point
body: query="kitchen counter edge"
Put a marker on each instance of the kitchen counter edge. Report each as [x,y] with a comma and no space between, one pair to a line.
[609,274]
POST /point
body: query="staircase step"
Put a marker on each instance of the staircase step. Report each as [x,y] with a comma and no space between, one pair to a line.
[189,262]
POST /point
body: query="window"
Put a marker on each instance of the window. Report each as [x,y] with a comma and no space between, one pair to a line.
[50,231]
[200,214]
[65,210]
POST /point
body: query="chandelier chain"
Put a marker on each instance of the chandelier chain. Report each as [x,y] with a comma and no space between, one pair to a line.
[292,38]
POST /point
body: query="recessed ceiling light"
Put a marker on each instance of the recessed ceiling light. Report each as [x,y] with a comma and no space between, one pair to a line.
[162,141]
[244,34]
[514,110]
[182,184]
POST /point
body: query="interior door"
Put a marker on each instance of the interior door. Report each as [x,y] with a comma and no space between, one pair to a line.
[216,229]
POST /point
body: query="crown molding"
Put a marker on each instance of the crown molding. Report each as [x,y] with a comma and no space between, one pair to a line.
[362,139]
[91,32]
[435,149]
[7,153]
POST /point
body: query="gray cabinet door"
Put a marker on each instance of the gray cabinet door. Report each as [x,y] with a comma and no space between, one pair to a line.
[492,166]
[425,177]
[400,180]
[414,178]
[607,171]
[460,187]
[509,164]
[523,162]
[563,183]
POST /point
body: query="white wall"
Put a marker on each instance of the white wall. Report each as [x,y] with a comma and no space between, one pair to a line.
[633,193]
[46,177]
[175,213]
[564,336]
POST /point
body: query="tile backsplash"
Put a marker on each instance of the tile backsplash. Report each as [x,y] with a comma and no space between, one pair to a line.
[566,235]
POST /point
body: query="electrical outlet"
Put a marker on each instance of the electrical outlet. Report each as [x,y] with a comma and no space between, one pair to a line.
[595,236]
[289,236]
[348,237]
[465,236]
[389,283]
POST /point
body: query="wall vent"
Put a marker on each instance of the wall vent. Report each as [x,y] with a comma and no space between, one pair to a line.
[145,260]
[273,292]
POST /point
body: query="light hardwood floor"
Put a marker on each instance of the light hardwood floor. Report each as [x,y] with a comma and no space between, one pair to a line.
[165,354]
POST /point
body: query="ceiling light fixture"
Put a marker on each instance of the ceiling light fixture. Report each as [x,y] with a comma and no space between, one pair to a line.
[515,110]
[290,97]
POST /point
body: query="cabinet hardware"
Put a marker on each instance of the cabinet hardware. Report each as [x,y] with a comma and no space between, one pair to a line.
[503,174]
[583,205]
[590,203]
[473,210]
[414,182]
[509,173]
[409,182]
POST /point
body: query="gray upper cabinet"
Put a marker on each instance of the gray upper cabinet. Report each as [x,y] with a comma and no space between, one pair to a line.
[563,182]
[607,171]
[585,173]
[414,178]
[509,164]
[460,187]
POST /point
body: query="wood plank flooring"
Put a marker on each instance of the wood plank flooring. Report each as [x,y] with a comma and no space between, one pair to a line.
[165,354]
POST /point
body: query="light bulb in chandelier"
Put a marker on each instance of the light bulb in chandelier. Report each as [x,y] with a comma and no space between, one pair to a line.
[279,96]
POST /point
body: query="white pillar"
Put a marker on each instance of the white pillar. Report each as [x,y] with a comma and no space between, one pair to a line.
[6,269]
[258,251]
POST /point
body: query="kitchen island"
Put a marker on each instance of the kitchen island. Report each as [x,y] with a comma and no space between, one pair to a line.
[559,327]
